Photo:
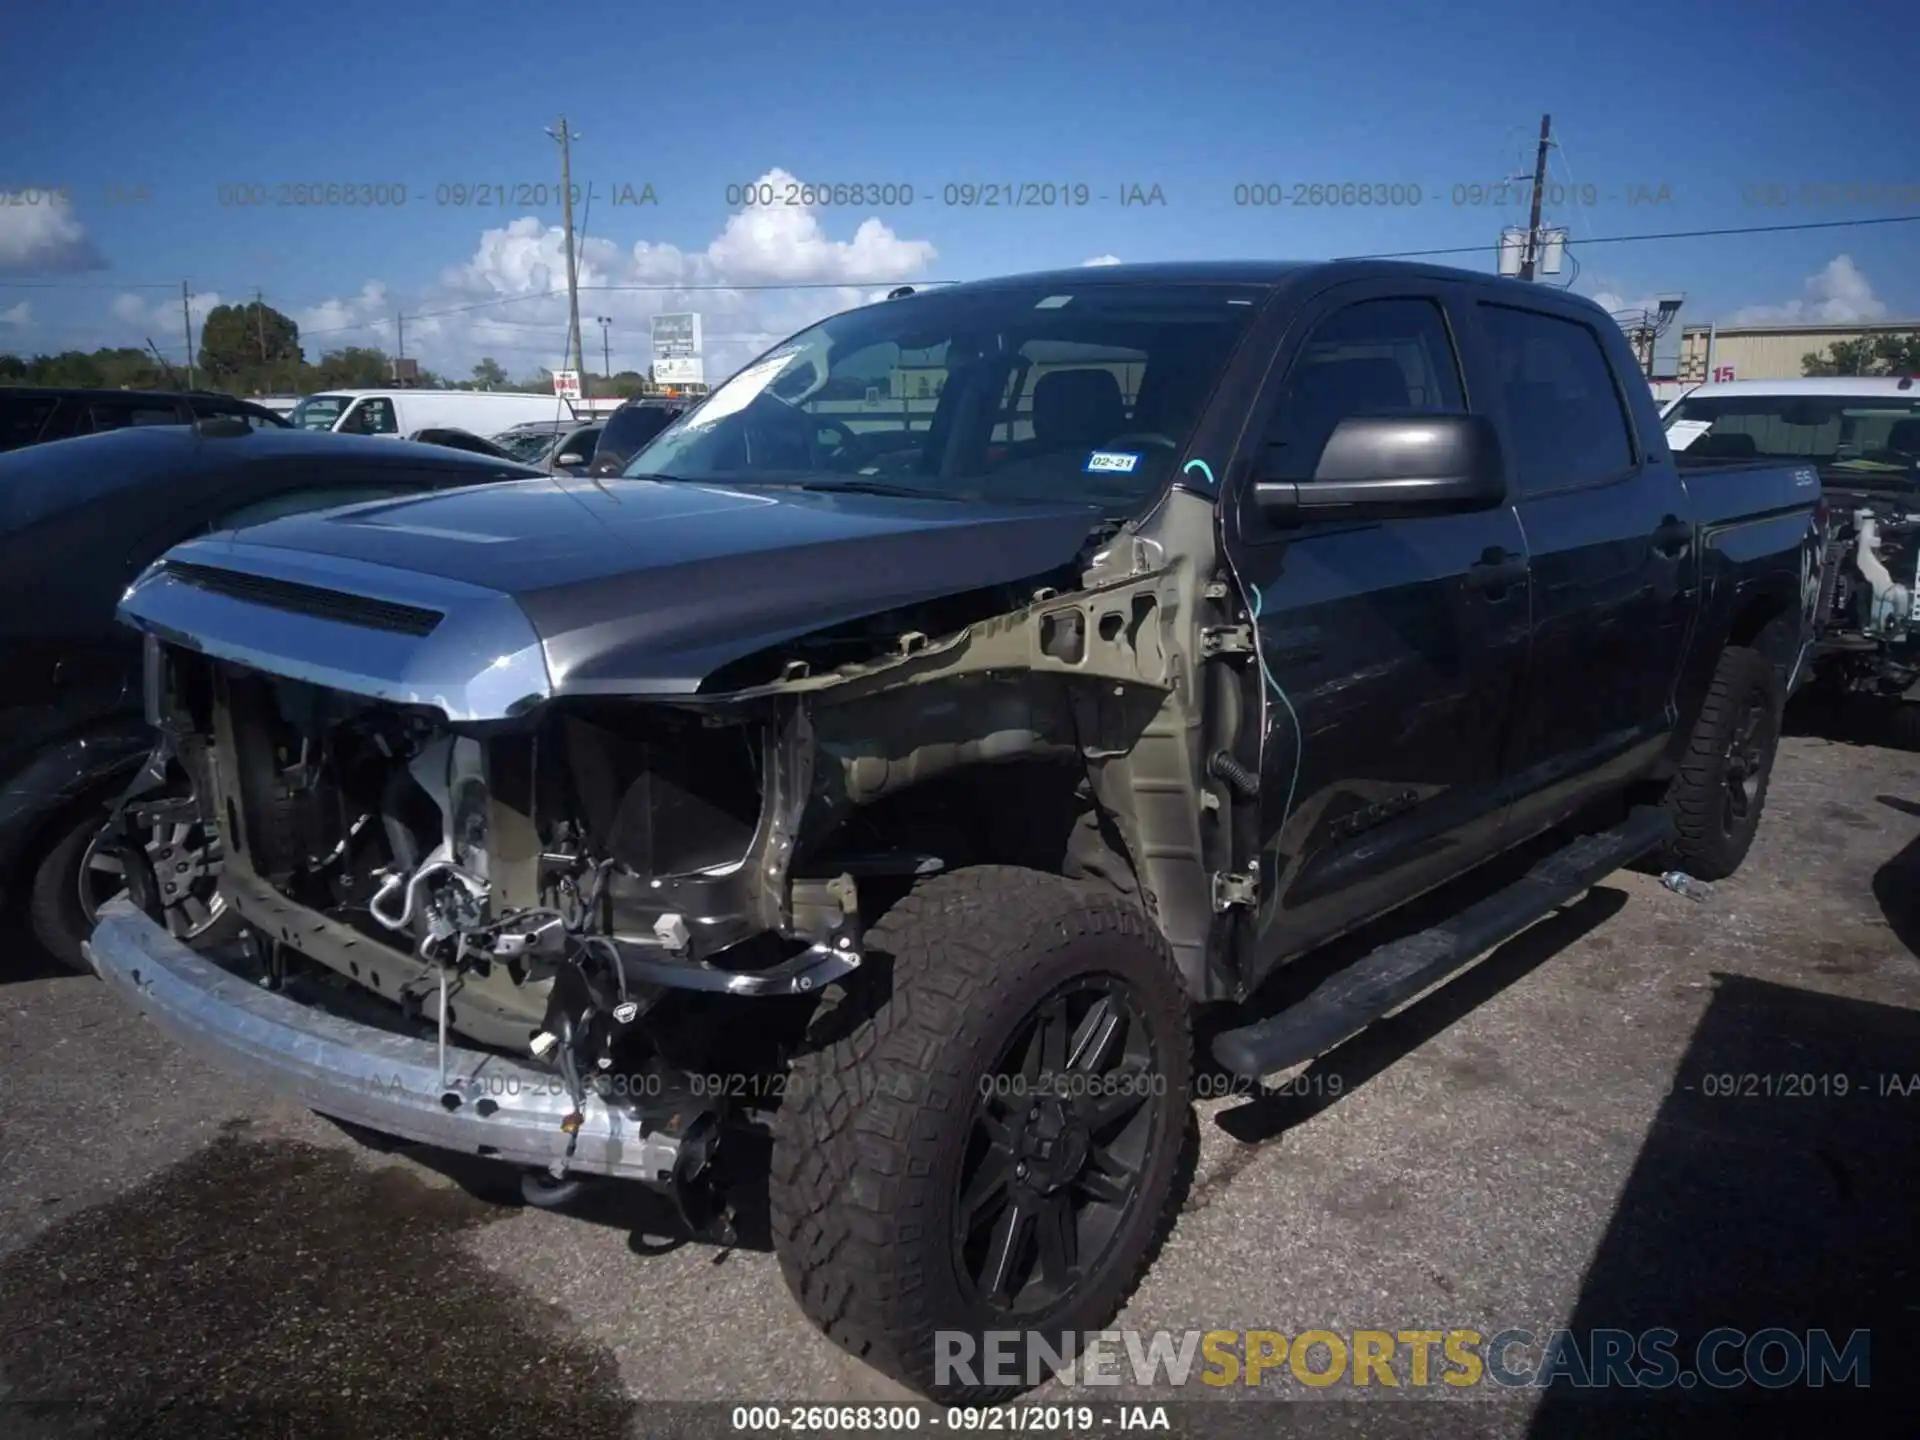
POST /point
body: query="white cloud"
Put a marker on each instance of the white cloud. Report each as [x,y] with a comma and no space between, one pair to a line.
[1837,294]
[19,316]
[159,319]
[1103,260]
[40,236]
[522,266]
[1616,303]
[368,318]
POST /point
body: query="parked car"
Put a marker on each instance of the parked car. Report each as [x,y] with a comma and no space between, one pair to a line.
[462,440]
[1863,435]
[631,428]
[78,521]
[565,447]
[400,411]
[915,779]
[35,414]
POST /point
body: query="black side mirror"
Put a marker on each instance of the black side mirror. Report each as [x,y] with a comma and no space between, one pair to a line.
[1392,467]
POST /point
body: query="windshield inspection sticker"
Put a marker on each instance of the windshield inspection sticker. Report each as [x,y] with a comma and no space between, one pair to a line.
[1682,433]
[1112,462]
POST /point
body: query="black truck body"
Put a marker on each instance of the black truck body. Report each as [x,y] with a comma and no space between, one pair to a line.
[1198,614]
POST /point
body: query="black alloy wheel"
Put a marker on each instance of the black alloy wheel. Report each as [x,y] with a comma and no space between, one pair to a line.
[1059,1137]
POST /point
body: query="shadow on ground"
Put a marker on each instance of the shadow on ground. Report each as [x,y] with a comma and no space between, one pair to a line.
[21,956]
[1845,719]
[1896,884]
[272,1287]
[1777,1190]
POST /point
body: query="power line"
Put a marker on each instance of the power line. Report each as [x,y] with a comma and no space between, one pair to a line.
[1662,235]
[66,285]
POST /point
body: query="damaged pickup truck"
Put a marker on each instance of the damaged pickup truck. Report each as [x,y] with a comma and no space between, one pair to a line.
[925,726]
[1863,435]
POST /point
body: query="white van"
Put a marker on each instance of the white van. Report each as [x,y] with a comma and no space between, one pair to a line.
[401,412]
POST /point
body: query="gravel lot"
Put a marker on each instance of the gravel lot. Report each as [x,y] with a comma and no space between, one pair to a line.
[1533,1144]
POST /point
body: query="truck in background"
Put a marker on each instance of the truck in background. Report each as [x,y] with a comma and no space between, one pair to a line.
[398,411]
[1862,433]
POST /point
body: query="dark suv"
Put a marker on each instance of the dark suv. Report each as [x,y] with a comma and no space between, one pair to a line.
[34,414]
[632,427]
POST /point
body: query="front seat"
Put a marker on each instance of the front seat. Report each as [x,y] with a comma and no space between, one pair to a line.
[1076,410]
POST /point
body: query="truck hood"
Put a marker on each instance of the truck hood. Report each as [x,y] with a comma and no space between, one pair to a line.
[486,601]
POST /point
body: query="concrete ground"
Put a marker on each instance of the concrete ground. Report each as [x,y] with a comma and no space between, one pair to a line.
[1539,1143]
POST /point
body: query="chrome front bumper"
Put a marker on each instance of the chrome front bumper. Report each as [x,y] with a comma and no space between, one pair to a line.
[390,1083]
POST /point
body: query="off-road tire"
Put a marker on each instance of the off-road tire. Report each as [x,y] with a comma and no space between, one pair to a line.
[870,1134]
[1709,845]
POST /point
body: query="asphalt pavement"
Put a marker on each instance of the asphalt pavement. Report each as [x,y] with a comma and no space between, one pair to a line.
[1564,1135]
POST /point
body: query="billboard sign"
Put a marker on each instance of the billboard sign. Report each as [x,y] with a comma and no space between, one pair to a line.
[676,336]
[566,384]
[680,370]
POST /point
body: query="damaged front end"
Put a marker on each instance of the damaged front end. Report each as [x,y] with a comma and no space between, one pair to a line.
[588,888]
[1869,612]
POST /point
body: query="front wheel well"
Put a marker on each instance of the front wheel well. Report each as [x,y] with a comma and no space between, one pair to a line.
[1035,814]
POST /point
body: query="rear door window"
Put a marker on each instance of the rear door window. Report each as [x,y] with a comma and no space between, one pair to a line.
[1566,421]
[104,415]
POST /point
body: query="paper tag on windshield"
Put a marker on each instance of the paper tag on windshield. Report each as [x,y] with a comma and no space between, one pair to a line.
[1112,462]
[1683,433]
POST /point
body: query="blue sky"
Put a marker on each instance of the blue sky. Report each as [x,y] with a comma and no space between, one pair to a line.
[143,113]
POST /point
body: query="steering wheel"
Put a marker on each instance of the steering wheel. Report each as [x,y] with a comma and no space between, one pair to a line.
[816,422]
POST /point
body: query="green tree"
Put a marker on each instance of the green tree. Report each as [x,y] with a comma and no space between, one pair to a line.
[1891,354]
[238,339]
[489,374]
[354,367]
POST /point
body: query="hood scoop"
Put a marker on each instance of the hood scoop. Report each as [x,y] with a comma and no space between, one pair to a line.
[310,600]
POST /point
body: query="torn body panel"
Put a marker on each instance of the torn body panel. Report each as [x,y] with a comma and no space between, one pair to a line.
[716,843]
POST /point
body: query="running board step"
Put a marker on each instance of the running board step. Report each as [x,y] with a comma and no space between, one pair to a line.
[1388,977]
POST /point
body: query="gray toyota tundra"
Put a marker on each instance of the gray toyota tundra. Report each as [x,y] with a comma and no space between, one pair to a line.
[899,752]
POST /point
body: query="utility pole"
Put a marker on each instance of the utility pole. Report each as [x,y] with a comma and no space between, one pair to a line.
[1539,184]
[566,137]
[606,351]
[186,319]
[260,321]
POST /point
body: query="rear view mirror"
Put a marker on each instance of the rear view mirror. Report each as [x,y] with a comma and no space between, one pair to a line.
[1390,467]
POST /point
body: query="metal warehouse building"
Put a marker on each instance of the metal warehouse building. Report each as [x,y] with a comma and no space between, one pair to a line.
[1767,352]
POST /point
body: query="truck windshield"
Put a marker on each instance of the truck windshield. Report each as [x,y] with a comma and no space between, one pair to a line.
[1082,393]
[318,412]
[528,446]
[1863,433]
